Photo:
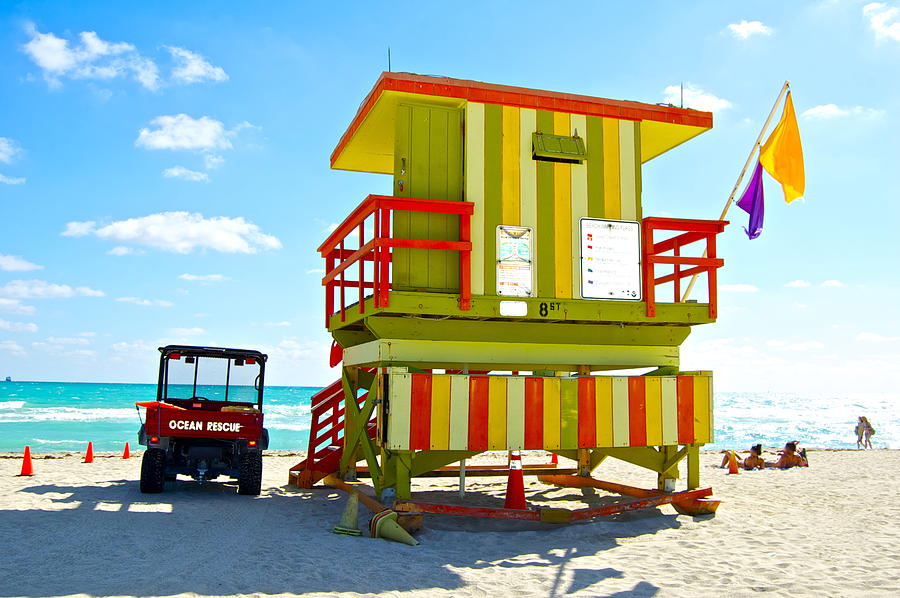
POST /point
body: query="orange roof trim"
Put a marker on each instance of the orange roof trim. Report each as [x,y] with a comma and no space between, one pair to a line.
[522,97]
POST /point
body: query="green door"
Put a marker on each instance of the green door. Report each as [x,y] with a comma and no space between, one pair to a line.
[428,164]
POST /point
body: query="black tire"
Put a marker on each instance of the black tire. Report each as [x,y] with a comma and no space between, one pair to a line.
[250,474]
[153,471]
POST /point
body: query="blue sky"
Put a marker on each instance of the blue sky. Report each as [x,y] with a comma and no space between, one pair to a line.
[164,169]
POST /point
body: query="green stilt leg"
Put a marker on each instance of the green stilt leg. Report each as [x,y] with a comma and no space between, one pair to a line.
[693,467]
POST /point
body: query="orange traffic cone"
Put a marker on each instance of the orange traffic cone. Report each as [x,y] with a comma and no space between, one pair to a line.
[515,485]
[26,463]
[554,459]
[89,455]
[732,463]
[127,453]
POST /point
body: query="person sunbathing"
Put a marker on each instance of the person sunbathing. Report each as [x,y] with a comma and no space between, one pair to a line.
[789,458]
[753,461]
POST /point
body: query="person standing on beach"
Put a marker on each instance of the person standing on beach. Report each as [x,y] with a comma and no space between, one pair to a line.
[860,430]
[868,431]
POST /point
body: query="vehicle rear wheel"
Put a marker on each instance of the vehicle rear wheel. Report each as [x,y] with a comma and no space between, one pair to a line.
[250,475]
[153,471]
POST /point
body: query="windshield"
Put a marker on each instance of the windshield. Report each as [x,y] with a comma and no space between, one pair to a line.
[212,378]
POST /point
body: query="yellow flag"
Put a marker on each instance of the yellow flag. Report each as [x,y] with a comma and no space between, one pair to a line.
[782,156]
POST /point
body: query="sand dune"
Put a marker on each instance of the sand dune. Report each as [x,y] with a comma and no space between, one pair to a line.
[85,529]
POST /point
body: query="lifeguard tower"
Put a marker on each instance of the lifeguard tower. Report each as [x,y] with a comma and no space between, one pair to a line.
[477,307]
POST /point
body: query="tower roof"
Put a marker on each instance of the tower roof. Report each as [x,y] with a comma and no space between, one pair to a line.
[368,143]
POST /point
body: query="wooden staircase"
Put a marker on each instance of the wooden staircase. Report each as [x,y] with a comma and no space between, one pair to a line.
[326,436]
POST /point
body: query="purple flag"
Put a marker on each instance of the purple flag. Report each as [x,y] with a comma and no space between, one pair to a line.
[752,203]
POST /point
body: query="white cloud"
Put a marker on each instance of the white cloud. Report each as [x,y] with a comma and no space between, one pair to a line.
[290,350]
[11,180]
[186,331]
[204,277]
[832,283]
[181,232]
[135,348]
[871,337]
[193,68]
[39,289]
[146,302]
[180,172]
[13,263]
[283,324]
[804,346]
[119,250]
[92,58]
[8,150]
[316,271]
[14,306]
[57,348]
[18,326]
[79,229]
[212,161]
[12,347]
[797,284]
[695,97]
[830,111]
[745,29]
[883,20]
[181,132]
[68,340]
[738,288]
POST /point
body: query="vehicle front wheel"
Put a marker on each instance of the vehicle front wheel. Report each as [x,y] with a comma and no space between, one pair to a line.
[250,475]
[153,471]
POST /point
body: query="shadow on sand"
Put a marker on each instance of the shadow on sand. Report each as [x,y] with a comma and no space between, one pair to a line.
[206,539]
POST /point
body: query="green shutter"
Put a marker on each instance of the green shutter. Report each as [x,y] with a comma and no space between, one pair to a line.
[558,148]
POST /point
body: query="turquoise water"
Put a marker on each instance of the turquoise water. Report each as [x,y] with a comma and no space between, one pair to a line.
[62,416]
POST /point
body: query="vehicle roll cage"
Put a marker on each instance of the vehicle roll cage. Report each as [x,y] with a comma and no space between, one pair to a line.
[214,352]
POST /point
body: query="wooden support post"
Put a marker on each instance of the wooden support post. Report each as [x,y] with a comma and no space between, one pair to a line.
[665,480]
[693,467]
[584,462]
[356,435]
[351,423]
[462,479]
[404,481]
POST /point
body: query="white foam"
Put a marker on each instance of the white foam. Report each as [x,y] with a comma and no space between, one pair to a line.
[42,441]
[291,427]
[67,414]
[12,404]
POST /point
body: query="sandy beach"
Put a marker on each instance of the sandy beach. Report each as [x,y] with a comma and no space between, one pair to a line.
[86,530]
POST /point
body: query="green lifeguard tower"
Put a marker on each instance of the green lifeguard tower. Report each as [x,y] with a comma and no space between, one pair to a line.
[478,306]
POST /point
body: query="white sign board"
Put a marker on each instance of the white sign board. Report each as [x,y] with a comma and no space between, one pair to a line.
[610,259]
[514,261]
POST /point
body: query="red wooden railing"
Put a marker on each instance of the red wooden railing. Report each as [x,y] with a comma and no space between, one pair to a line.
[377,249]
[691,232]
[326,434]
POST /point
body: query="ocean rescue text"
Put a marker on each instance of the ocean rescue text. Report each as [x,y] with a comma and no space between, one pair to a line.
[183,424]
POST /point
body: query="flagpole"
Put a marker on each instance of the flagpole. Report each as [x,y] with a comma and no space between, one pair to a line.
[784,88]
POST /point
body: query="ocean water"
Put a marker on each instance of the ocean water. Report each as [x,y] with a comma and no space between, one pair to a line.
[57,416]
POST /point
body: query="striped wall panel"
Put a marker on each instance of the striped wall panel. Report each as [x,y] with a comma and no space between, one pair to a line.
[461,412]
[508,187]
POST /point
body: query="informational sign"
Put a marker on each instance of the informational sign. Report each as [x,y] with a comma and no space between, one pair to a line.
[610,259]
[515,273]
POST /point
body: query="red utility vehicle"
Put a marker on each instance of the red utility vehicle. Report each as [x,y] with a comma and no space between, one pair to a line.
[207,418]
